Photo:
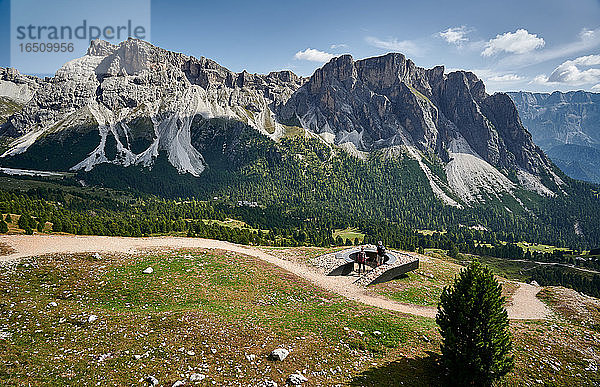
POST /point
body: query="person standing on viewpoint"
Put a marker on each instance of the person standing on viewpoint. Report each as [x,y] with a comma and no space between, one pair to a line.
[361,259]
[380,253]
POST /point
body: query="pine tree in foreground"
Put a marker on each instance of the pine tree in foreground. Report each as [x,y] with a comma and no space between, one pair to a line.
[474,327]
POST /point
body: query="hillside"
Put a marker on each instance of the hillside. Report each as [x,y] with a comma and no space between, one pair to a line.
[185,319]
[132,103]
[377,139]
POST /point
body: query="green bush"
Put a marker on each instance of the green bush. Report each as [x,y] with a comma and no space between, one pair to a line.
[3,227]
[26,221]
[474,327]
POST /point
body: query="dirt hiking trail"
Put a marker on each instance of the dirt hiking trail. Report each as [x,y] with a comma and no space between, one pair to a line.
[525,304]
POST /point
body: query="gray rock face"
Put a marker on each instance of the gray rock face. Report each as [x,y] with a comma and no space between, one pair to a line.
[113,87]
[297,379]
[578,161]
[566,126]
[386,101]
[560,118]
[133,102]
[17,87]
[279,354]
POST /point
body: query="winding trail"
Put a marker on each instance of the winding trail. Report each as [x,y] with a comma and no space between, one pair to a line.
[525,305]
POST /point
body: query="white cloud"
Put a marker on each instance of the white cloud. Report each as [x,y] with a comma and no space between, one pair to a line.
[579,71]
[587,40]
[587,34]
[494,80]
[576,72]
[596,87]
[519,42]
[403,46]
[338,46]
[588,60]
[455,35]
[313,55]
[540,79]
[505,78]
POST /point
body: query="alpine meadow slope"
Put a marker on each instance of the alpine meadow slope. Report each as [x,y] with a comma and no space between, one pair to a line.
[372,139]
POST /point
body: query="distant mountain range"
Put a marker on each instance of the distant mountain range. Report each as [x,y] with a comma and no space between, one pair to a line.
[377,138]
[567,127]
[128,104]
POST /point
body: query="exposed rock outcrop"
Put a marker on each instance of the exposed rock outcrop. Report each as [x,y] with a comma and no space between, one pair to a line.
[128,104]
[114,87]
[385,101]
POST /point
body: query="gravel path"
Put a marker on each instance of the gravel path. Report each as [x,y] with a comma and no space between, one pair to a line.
[33,245]
[526,306]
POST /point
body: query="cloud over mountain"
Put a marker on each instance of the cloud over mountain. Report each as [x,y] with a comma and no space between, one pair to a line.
[455,35]
[393,44]
[579,71]
[519,42]
[313,55]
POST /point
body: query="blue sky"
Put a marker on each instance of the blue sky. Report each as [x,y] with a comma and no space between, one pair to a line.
[513,45]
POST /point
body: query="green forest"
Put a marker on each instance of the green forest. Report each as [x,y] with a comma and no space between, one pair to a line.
[296,192]
[307,180]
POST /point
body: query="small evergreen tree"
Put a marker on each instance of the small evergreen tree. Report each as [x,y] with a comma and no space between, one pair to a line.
[3,227]
[8,218]
[26,222]
[453,251]
[474,327]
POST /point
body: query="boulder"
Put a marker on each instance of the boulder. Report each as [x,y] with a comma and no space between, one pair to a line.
[148,270]
[279,354]
[297,379]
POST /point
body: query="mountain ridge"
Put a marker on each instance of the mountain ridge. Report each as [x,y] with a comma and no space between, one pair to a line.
[136,93]
[557,119]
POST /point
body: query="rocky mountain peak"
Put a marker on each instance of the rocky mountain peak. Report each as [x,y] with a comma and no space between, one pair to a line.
[136,57]
[384,71]
[338,70]
[388,101]
[99,47]
[566,126]
[384,102]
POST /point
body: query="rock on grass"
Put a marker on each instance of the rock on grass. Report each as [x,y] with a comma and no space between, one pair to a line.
[297,379]
[279,354]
